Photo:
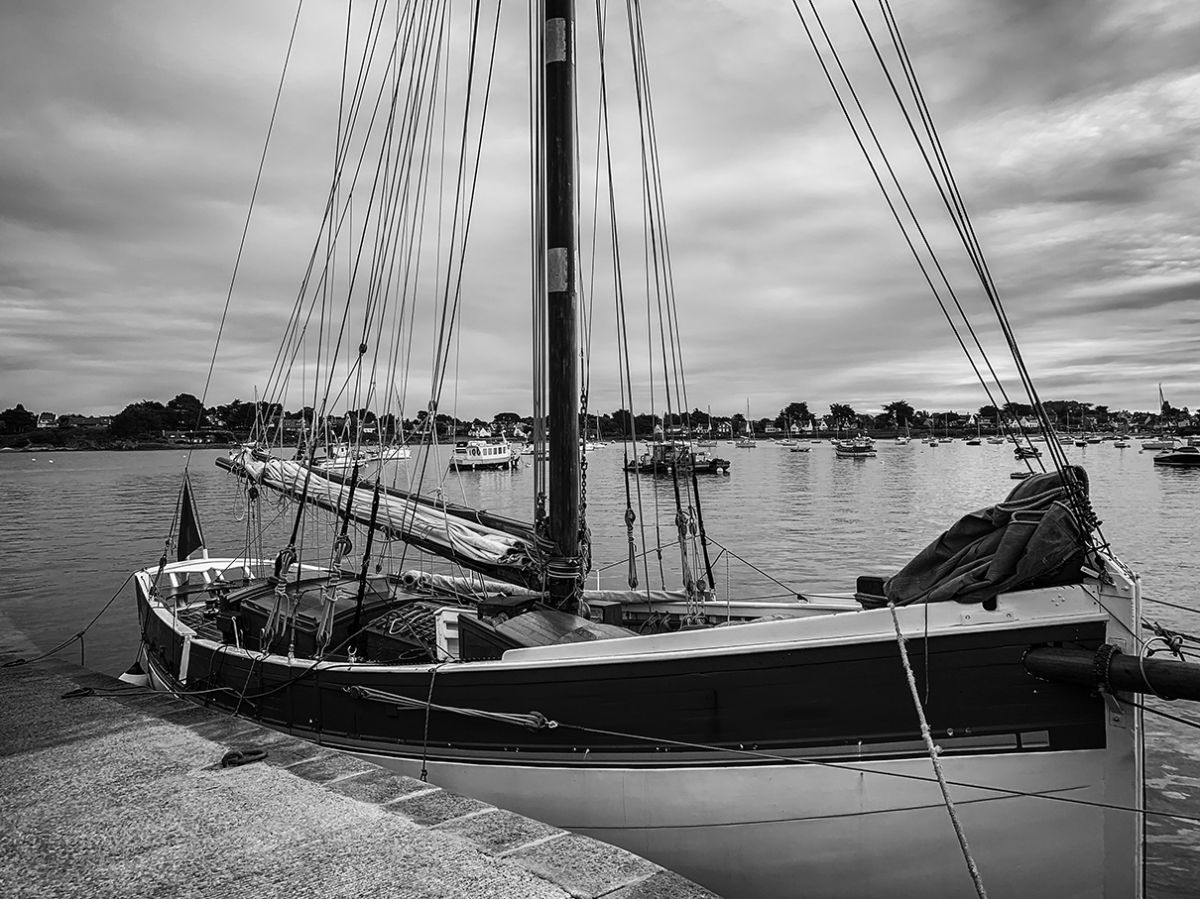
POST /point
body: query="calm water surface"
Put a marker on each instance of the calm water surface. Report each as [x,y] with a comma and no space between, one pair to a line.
[74,525]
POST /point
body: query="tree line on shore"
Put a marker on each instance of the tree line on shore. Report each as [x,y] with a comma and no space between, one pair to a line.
[150,420]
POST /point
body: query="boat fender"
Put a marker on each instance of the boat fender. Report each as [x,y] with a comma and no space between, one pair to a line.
[135,676]
[238,757]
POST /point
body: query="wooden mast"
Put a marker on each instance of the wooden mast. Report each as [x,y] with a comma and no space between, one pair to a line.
[563,346]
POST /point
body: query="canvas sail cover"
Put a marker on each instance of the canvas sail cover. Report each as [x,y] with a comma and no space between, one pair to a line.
[1032,539]
[419,522]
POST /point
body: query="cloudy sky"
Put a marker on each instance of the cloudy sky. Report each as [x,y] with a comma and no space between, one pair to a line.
[130,134]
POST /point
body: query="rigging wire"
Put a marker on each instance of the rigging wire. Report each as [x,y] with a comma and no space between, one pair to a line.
[1076,489]
[967,235]
[879,180]
[624,368]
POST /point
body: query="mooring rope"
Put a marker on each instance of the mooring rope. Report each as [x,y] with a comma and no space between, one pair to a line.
[78,635]
[933,756]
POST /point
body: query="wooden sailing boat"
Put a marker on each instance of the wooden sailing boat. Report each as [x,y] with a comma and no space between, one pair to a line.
[784,752]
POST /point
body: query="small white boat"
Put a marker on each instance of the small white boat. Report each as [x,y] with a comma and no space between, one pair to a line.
[1160,443]
[481,455]
[342,458]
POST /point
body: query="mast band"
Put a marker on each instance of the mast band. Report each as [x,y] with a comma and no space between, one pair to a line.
[556,40]
[557,276]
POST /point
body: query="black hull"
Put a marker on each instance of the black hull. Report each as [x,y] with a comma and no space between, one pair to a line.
[836,701]
[1184,462]
[666,471]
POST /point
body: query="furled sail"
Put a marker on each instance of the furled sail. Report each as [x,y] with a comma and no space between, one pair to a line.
[1032,539]
[418,521]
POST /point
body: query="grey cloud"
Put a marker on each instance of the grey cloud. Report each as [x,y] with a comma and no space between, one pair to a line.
[130,132]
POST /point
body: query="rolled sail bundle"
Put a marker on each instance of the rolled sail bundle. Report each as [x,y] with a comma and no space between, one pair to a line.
[1032,539]
[479,588]
[419,523]
[455,585]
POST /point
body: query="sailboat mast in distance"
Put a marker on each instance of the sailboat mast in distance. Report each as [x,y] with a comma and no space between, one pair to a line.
[562,343]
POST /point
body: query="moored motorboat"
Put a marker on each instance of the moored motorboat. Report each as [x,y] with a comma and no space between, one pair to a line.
[493,453]
[670,458]
[1179,457]
[855,449]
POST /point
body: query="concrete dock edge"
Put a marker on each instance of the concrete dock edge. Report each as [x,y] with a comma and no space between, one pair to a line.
[118,792]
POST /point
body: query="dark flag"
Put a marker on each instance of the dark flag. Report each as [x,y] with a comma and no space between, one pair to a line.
[190,536]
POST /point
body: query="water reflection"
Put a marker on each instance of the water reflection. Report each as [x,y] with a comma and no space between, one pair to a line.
[812,520]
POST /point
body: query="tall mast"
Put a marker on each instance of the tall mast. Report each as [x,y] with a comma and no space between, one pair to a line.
[563,347]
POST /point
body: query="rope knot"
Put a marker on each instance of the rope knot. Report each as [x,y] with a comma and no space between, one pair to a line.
[538,721]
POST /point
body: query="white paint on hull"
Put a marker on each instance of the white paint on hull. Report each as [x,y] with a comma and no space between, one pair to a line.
[776,831]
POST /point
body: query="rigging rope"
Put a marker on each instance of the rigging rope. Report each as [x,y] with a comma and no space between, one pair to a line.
[1076,490]
[934,751]
[531,720]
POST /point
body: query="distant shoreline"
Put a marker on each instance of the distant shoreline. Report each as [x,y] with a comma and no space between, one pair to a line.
[138,447]
[123,446]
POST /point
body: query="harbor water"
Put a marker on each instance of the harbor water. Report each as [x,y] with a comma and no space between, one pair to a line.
[73,525]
